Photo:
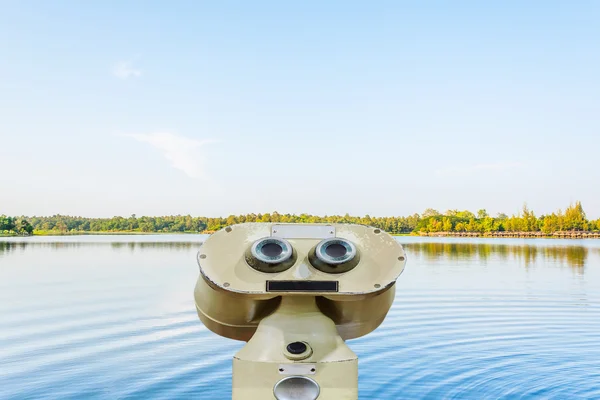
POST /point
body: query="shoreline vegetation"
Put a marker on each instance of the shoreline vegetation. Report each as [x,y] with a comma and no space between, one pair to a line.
[570,223]
[524,235]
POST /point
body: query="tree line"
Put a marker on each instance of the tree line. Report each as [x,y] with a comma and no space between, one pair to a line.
[15,226]
[573,218]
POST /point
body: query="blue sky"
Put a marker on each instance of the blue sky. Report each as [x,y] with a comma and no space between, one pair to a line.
[217,108]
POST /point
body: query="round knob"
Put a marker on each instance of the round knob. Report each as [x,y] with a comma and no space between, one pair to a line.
[296,348]
[297,351]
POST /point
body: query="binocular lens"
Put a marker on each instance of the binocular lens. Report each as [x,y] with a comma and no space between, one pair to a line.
[335,251]
[271,250]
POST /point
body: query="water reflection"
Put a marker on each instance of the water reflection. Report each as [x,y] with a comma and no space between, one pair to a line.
[8,247]
[572,256]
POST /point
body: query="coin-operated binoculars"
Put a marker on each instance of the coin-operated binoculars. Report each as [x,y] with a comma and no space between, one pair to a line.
[295,292]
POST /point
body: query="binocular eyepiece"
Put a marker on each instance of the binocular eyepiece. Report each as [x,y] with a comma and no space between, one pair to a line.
[270,255]
[333,255]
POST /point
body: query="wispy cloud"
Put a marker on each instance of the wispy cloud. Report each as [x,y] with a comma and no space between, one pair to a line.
[183,153]
[470,169]
[126,70]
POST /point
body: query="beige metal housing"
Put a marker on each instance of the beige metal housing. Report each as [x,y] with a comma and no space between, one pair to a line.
[233,300]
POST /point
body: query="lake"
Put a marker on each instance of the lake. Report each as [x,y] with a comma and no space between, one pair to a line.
[112,317]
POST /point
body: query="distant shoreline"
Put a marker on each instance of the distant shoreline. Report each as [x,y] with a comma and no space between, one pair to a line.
[486,235]
[107,233]
[101,233]
[520,235]
[570,223]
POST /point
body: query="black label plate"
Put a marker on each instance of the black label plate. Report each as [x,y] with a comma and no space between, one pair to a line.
[302,286]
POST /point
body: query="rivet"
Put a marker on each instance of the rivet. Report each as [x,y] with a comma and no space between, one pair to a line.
[226,284]
[203,256]
[377,286]
[377,231]
[401,258]
[228,229]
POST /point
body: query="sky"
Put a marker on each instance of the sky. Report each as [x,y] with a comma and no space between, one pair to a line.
[215,108]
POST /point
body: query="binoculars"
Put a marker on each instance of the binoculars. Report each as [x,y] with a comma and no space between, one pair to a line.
[295,293]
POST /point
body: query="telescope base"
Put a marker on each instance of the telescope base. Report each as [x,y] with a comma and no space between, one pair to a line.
[265,369]
[256,380]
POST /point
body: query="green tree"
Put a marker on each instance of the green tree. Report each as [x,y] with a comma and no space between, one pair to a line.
[465,214]
[488,224]
[231,220]
[6,223]
[446,225]
[575,218]
[430,212]
[473,226]
[548,224]
[530,223]
[23,227]
[434,225]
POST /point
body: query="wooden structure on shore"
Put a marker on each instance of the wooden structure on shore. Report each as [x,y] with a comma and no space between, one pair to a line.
[562,234]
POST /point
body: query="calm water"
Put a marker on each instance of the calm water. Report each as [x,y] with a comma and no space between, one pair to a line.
[113,317]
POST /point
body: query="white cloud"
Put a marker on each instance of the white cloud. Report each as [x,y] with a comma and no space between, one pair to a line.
[471,169]
[183,153]
[126,70]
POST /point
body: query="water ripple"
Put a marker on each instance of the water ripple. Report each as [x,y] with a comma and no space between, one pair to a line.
[470,321]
